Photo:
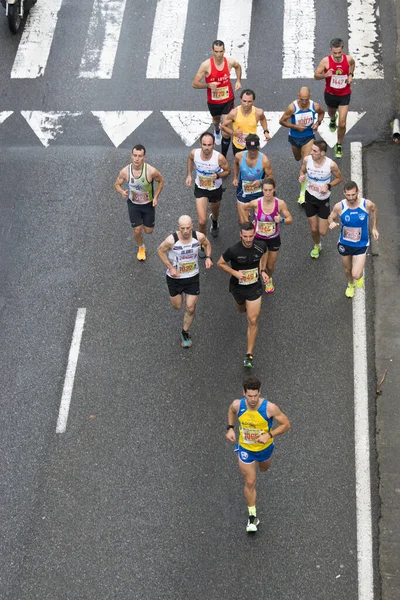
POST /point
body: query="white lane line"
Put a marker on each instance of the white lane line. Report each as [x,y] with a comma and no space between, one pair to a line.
[234,30]
[37,37]
[102,40]
[364,38]
[119,124]
[71,369]
[167,39]
[298,39]
[4,115]
[48,125]
[361,422]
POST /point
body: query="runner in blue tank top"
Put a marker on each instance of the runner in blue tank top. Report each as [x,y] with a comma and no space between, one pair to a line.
[354,213]
[249,169]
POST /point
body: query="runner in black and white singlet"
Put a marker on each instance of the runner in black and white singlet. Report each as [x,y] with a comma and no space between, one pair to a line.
[318,170]
[211,166]
[180,254]
[140,195]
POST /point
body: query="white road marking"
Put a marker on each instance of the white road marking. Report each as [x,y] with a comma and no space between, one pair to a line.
[37,37]
[47,125]
[119,124]
[331,138]
[4,115]
[167,39]
[71,369]
[361,422]
[234,30]
[102,40]
[364,39]
[298,39]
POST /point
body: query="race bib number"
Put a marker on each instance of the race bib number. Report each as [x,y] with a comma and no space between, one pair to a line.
[314,187]
[266,228]
[250,276]
[250,435]
[351,234]
[240,140]
[221,93]
[338,81]
[206,182]
[140,197]
[304,120]
[187,267]
[249,187]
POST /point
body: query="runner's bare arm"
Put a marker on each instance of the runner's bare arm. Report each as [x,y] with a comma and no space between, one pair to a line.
[207,248]
[320,72]
[225,267]
[250,205]
[337,173]
[223,163]
[373,210]
[232,415]
[156,176]
[332,223]
[285,119]
[233,64]
[352,66]
[121,179]
[236,168]
[229,119]
[282,207]
[163,248]
[201,73]
[267,167]
[321,114]
[284,424]
[260,116]
[190,166]
[303,170]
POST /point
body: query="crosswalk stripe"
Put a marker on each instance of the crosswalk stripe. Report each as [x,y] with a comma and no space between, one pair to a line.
[331,138]
[47,125]
[4,115]
[167,39]
[37,37]
[100,51]
[119,124]
[298,39]
[234,30]
[364,39]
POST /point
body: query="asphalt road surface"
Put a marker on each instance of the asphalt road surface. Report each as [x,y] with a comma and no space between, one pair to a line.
[141,497]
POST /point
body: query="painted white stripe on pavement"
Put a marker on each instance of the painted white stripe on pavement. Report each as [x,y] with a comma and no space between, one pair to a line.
[102,40]
[71,369]
[167,39]
[234,30]
[298,39]
[331,138]
[118,125]
[364,39]
[4,115]
[361,422]
[47,125]
[37,37]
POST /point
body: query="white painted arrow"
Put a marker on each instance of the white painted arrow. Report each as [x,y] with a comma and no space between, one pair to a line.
[119,124]
[47,125]
[331,138]
[4,115]
[189,125]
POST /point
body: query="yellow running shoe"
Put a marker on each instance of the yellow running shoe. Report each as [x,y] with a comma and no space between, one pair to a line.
[315,252]
[269,286]
[350,290]
[141,255]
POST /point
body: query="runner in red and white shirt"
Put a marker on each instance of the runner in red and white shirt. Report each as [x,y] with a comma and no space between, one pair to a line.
[214,75]
[338,71]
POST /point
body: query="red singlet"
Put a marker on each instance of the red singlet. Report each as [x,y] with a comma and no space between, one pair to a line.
[224,92]
[337,84]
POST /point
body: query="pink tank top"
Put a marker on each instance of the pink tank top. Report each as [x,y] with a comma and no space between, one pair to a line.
[264,223]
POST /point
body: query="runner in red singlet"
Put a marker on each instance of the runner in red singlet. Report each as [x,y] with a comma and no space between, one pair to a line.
[338,71]
[215,72]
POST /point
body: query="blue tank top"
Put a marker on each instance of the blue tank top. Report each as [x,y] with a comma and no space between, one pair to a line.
[302,117]
[354,230]
[247,175]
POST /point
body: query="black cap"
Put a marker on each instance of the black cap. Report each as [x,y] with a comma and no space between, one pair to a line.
[252,142]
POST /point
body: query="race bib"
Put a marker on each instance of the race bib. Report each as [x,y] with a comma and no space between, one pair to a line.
[338,81]
[140,197]
[221,93]
[248,187]
[314,187]
[206,182]
[240,140]
[351,234]
[187,267]
[266,228]
[250,276]
[304,120]
[250,435]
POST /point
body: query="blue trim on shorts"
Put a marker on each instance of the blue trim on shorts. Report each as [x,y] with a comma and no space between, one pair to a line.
[248,457]
[298,142]
[346,250]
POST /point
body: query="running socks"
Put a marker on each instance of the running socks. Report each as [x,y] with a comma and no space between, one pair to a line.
[252,511]
[226,142]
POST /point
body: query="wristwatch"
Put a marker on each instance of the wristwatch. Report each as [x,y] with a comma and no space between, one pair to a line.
[230,427]
[266,130]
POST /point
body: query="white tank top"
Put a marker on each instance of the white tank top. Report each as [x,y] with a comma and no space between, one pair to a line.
[317,177]
[184,256]
[204,170]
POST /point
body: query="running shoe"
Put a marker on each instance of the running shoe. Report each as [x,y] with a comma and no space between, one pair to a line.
[186,340]
[252,523]
[302,198]
[248,361]
[141,255]
[202,253]
[332,124]
[360,282]
[269,286]
[337,151]
[218,137]
[315,252]
[214,230]
[350,290]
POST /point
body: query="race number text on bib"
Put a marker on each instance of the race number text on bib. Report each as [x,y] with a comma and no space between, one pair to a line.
[206,182]
[250,435]
[250,276]
[266,228]
[249,187]
[351,234]
[241,140]
[140,197]
[221,93]
[338,81]
[304,120]
[185,267]
[314,187]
